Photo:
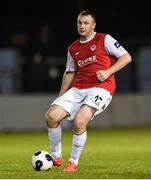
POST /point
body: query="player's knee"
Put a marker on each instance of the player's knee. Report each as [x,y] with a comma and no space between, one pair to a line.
[50,118]
[79,126]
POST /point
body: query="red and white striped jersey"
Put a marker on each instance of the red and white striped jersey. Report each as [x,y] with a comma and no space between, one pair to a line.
[87,57]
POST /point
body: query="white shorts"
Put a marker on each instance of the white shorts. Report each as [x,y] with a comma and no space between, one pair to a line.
[74,98]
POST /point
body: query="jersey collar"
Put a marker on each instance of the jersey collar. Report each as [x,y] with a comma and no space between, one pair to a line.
[89,39]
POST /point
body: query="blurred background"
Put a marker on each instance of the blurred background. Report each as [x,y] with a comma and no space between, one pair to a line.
[34,37]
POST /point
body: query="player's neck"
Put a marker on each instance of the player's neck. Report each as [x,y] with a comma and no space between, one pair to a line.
[84,39]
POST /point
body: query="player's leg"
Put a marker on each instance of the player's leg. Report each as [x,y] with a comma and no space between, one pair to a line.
[53,117]
[80,123]
[63,106]
[96,101]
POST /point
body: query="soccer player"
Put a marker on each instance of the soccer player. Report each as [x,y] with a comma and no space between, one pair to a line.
[87,88]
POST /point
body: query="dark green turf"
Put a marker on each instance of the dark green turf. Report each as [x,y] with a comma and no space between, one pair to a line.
[108,154]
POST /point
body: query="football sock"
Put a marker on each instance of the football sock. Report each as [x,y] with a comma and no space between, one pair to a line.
[78,143]
[54,136]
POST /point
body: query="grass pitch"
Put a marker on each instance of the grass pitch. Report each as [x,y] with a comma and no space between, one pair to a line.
[108,154]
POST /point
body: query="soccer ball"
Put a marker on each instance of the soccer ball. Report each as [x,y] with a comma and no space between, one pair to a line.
[42,161]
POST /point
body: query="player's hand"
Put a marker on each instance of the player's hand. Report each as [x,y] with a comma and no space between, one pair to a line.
[102,75]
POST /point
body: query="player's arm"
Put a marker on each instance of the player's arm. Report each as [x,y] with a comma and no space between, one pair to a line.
[121,62]
[68,75]
[122,56]
[66,82]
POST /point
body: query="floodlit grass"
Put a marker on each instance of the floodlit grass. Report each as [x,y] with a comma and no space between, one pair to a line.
[108,154]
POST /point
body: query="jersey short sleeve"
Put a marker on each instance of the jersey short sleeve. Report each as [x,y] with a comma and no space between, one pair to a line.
[71,66]
[113,47]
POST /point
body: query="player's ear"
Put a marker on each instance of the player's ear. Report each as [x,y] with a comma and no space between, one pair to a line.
[94,25]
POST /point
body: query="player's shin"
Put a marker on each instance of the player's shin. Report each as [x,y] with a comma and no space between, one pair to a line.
[54,136]
[78,143]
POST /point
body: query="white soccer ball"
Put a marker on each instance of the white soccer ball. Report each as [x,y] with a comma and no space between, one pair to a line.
[42,160]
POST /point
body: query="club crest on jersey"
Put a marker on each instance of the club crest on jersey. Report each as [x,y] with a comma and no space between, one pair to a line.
[84,62]
[93,47]
[77,53]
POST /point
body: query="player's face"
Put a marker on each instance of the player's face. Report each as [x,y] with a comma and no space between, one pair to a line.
[85,25]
